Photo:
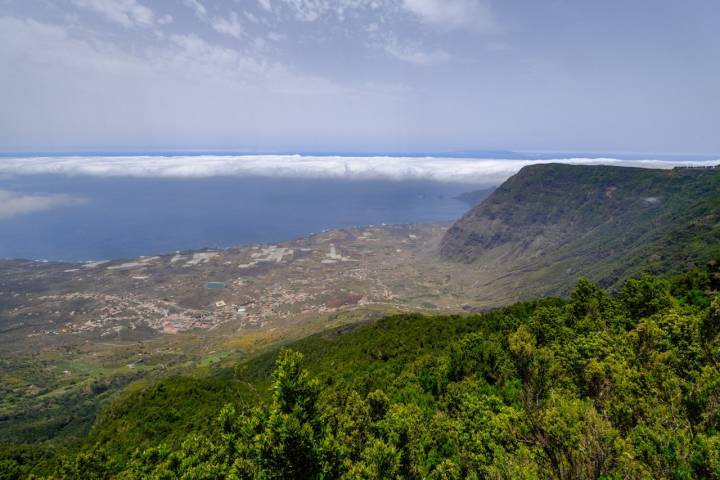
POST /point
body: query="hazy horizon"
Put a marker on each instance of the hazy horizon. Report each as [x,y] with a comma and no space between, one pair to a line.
[505,154]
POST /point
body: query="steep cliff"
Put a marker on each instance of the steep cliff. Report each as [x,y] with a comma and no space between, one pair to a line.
[602,221]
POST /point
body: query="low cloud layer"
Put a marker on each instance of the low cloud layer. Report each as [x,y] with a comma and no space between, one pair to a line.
[13,203]
[464,170]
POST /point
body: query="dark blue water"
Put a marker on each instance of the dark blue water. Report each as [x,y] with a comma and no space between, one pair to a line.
[128,217]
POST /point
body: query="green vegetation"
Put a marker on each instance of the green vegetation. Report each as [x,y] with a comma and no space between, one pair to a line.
[595,386]
[52,406]
[559,222]
[54,394]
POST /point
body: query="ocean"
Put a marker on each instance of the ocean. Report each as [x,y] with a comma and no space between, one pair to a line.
[124,217]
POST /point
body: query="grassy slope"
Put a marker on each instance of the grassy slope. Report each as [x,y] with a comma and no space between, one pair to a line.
[557,222]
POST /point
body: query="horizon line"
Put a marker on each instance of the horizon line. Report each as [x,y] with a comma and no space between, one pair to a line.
[500,154]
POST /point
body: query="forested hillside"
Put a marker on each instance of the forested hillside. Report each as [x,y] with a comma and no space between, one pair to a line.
[595,386]
[557,222]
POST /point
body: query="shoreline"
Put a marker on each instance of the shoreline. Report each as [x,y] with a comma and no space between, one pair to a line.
[222,249]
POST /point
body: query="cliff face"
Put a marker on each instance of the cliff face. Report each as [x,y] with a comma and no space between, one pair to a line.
[603,221]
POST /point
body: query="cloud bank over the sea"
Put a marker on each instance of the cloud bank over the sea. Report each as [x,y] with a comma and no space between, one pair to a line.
[462,170]
[13,203]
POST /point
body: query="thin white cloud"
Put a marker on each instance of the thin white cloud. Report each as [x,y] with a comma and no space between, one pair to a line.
[213,60]
[464,170]
[415,54]
[265,4]
[197,7]
[308,10]
[228,26]
[13,203]
[312,10]
[453,14]
[128,13]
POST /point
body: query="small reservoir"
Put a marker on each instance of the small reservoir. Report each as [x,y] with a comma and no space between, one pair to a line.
[215,285]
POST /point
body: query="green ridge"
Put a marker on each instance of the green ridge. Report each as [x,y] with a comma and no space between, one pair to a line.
[559,222]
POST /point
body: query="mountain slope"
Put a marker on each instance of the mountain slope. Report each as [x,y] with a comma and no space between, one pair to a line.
[556,222]
[476,196]
[596,386]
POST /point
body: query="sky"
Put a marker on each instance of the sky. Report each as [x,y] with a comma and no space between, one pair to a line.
[360,75]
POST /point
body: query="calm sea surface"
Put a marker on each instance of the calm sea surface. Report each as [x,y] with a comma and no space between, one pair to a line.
[128,217]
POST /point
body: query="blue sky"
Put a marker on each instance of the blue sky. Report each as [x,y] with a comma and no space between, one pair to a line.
[360,75]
